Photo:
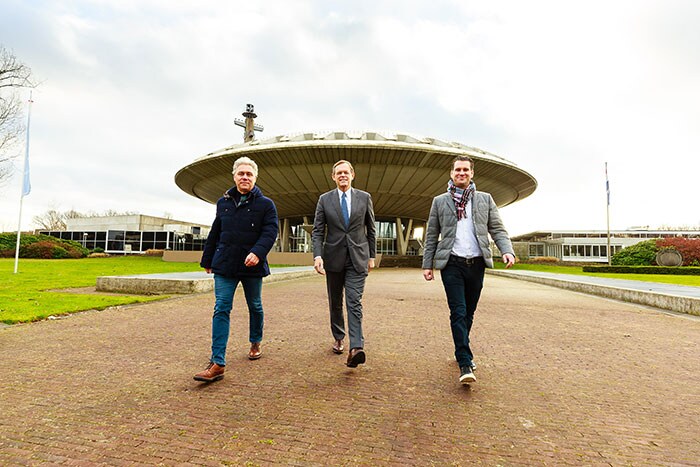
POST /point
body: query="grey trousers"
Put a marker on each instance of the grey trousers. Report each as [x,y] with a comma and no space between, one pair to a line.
[353,283]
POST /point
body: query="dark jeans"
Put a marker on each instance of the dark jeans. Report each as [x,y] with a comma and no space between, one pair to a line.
[463,283]
[224,290]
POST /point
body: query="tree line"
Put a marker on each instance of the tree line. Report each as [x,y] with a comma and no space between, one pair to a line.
[57,220]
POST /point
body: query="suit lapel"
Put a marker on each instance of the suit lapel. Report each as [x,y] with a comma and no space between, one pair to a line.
[353,204]
[451,204]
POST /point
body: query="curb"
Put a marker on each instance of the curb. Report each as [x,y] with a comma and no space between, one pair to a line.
[199,282]
[676,303]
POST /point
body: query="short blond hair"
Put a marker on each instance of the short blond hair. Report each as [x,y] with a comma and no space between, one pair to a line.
[245,161]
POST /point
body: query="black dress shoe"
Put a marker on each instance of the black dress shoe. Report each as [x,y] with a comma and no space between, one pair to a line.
[356,357]
[338,346]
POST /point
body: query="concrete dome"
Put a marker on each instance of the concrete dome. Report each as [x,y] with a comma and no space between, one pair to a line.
[402,172]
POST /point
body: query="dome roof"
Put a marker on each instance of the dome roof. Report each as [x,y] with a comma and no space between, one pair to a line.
[402,172]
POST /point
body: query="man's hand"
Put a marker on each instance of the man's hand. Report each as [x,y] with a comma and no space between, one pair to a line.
[318,265]
[428,274]
[370,264]
[509,260]
[251,260]
[207,270]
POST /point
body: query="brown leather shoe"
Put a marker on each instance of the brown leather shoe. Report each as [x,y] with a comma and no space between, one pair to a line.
[255,351]
[212,373]
[338,346]
[356,357]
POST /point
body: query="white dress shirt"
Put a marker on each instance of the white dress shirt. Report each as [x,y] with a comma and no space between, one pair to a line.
[466,245]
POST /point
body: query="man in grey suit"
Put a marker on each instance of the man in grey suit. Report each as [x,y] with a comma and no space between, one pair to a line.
[344,244]
[457,243]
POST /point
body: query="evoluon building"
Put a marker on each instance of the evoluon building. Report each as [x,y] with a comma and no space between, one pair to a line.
[402,172]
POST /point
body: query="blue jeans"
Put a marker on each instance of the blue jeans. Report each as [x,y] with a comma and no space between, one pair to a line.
[463,284]
[224,290]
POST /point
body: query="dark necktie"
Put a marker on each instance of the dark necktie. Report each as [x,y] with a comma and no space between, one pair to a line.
[344,207]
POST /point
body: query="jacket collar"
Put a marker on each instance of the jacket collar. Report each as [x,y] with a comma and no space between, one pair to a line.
[232,193]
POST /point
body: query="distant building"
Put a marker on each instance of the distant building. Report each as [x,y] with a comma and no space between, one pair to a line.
[586,245]
[133,233]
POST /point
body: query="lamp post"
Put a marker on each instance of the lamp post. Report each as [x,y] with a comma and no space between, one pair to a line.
[85,236]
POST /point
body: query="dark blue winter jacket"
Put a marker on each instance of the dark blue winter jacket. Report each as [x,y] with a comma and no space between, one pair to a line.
[238,229]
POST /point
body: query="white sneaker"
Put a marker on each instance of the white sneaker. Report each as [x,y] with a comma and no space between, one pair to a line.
[466,375]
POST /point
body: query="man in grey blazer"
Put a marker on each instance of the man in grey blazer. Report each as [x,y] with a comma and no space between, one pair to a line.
[344,244]
[457,243]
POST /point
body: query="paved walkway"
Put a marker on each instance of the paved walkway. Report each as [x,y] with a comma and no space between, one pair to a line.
[656,287]
[563,379]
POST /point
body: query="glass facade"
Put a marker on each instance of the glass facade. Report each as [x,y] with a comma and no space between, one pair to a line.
[124,241]
[386,237]
[588,252]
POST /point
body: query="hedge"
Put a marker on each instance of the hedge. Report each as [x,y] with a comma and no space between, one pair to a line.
[680,271]
[40,246]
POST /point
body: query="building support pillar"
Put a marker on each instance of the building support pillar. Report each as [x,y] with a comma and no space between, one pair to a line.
[403,237]
[284,234]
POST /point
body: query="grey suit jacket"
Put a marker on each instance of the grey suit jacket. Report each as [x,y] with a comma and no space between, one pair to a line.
[333,242]
[442,229]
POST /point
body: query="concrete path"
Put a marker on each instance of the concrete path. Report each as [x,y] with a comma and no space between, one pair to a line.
[563,379]
[679,298]
[656,287]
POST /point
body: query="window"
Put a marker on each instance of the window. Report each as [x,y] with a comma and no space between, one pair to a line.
[115,240]
[386,237]
[161,241]
[535,249]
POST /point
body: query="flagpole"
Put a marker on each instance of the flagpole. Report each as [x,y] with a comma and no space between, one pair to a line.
[26,186]
[607,195]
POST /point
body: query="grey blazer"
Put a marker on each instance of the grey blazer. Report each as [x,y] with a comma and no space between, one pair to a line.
[442,229]
[333,242]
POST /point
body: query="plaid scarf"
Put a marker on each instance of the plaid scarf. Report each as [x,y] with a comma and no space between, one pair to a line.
[461,197]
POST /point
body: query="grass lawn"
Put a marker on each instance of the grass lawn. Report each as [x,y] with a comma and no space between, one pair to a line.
[661,278]
[26,296]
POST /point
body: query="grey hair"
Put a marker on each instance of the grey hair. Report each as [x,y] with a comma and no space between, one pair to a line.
[245,161]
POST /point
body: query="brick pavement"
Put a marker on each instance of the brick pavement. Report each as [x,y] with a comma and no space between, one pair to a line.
[563,379]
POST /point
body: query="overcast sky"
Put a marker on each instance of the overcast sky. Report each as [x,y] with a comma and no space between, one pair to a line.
[132,91]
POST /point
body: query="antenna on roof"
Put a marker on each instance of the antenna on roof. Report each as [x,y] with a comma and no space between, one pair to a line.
[248,123]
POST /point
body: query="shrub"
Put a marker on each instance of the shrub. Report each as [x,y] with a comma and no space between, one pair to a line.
[641,254]
[680,271]
[43,250]
[543,260]
[98,250]
[689,248]
[40,246]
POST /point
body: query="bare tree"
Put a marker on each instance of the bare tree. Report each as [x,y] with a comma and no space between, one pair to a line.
[14,75]
[50,220]
[679,228]
[113,213]
[53,219]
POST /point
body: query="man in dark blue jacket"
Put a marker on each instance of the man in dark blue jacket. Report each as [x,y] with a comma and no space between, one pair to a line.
[243,233]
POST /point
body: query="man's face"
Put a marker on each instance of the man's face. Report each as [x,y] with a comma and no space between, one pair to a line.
[244,178]
[462,174]
[343,177]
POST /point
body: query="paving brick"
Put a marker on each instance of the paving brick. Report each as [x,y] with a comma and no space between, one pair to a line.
[563,379]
